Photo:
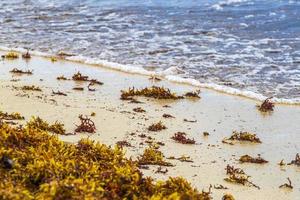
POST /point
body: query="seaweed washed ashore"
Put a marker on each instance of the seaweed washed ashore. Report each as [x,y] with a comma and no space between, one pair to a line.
[37,165]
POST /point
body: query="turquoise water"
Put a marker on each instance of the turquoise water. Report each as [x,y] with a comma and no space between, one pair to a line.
[245,44]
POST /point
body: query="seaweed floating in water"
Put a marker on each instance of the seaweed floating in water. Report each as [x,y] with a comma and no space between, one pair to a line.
[31,88]
[182,138]
[19,71]
[244,136]
[287,185]
[267,105]
[11,55]
[86,125]
[43,167]
[11,116]
[296,161]
[236,175]
[39,124]
[153,92]
[152,156]
[249,159]
[157,127]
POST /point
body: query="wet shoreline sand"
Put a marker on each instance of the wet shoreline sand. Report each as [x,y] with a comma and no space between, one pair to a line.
[216,113]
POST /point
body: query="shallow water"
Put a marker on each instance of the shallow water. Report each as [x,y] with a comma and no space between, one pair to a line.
[245,44]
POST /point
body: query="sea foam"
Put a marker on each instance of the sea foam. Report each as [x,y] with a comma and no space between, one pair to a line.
[171,74]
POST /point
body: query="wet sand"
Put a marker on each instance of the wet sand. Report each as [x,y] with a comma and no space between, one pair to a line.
[217,113]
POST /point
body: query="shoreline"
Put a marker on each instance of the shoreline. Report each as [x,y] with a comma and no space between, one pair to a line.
[115,120]
[166,75]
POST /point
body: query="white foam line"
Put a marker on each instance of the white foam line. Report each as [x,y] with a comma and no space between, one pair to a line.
[167,74]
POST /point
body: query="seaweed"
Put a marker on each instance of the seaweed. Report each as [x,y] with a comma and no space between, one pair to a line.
[89,87]
[53,59]
[182,138]
[244,136]
[191,121]
[287,185]
[31,88]
[168,116]
[61,78]
[249,159]
[161,171]
[11,116]
[228,197]
[95,82]
[296,161]
[37,165]
[152,156]
[86,125]
[205,133]
[267,105]
[26,55]
[59,93]
[79,77]
[78,88]
[11,55]
[220,187]
[123,143]
[185,159]
[40,124]
[157,127]
[281,163]
[139,109]
[238,176]
[193,94]
[19,71]
[153,92]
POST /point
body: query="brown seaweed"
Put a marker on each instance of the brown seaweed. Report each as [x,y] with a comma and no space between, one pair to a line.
[193,94]
[267,105]
[296,161]
[244,136]
[59,93]
[139,110]
[31,88]
[168,116]
[287,185]
[182,138]
[238,176]
[19,71]
[86,125]
[153,92]
[61,78]
[249,159]
[157,127]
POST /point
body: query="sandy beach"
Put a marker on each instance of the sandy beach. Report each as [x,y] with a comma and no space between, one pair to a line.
[216,113]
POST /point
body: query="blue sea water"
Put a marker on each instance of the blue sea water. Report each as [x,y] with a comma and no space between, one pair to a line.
[250,45]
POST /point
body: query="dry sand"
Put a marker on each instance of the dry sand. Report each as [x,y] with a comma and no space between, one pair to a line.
[219,114]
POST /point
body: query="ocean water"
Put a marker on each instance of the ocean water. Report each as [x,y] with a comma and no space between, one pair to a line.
[246,46]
